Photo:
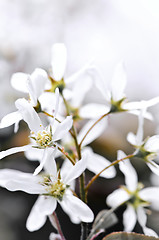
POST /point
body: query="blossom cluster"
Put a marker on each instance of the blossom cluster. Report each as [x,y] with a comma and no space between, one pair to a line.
[62,124]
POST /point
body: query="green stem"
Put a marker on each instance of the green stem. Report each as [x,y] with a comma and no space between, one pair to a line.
[112,164]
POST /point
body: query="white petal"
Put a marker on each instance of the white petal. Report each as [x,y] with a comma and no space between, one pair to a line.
[79,94]
[154,167]
[36,84]
[76,170]
[150,194]
[129,172]
[152,144]
[15,180]
[50,164]
[75,219]
[129,218]
[94,133]
[63,128]
[118,83]
[93,110]
[10,119]
[131,138]
[44,206]
[117,197]
[19,82]
[140,130]
[141,215]
[14,150]
[29,114]
[58,61]
[54,236]
[34,154]
[96,163]
[78,208]
[142,218]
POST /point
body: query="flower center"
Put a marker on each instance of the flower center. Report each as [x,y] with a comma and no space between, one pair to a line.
[43,138]
[135,199]
[55,189]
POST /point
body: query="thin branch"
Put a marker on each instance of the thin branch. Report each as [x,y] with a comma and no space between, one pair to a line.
[106,114]
[112,164]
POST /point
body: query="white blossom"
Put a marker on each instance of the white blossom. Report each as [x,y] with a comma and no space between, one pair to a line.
[53,187]
[135,196]
[147,149]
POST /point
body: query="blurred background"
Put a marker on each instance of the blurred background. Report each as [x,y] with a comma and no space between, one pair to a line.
[105,31]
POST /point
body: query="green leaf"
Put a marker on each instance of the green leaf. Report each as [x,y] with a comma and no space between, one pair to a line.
[128,236]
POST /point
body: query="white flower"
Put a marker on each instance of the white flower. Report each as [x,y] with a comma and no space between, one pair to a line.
[135,196]
[34,85]
[43,137]
[54,236]
[147,149]
[54,187]
[115,96]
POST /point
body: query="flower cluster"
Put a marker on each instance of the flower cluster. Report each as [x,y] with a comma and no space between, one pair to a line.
[61,124]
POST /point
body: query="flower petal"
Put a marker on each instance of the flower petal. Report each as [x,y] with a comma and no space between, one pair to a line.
[19,81]
[131,138]
[93,110]
[150,194]
[95,132]
[153,166]
[43,206]
[129,172]
[117,197]
[63,128]
[152,144]
[29,114]
[129,218]
[142,218]
[15,180]
[118,83]
[10,119]
[36,84]
[96,163]
[78,208]
[14,150]
[76,170]
[58,61]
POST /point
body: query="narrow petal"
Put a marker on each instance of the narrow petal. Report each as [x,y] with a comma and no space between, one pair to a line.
[36,84]
[19,81]
[118,83]
[15,180]
[150,194]
[117,197]
[96,163]
[131,138]
[94,133]
[129,218]
[58,61]
[78,208]
[43,206]
[48,154]
[140,130]
[129,172]
[76,170]
[29,114]
[34,154]
[10,119]
[50,164]
[10,151]
[75,219]
[153,166]
[152,144]
[63,128]
[93,110]
[142,218]
[54,236]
